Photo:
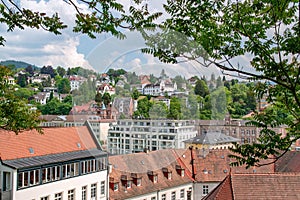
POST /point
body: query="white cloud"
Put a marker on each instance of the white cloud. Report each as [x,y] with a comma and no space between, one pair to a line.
[43,48]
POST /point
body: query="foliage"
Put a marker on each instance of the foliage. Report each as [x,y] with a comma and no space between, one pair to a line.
[55,107]
[175,109]
[15,114]
[48,70]
[201,88]
[63,86]
[22,80]
[61,71]
[143,108]
[23,93]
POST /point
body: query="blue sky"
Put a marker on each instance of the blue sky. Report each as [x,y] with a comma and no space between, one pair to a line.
[74,49]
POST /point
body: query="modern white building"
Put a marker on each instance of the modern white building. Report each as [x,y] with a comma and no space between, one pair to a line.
[131,136]
[61,163]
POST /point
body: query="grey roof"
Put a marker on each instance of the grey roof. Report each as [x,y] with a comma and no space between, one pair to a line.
[53,158]
[212,138]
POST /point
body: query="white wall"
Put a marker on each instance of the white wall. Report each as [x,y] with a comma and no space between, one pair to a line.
[50,189]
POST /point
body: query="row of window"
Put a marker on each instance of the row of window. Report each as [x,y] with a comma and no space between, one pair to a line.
[58,172]
[71,193]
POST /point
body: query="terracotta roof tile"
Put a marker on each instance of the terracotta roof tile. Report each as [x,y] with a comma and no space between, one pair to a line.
[54,140]
[141,164]
[289,162]
[258,186]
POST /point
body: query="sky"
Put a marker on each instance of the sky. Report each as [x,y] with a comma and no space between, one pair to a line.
[70,49]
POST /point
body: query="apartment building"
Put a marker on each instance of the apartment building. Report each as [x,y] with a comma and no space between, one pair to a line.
[135,135]
[236,128]
[61,163]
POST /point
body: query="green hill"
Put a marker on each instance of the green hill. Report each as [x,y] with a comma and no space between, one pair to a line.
[17,64]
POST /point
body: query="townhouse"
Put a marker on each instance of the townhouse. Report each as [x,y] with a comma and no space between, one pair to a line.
[61,163]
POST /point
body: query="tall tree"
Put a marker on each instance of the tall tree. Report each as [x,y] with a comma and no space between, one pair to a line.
[201,88]
[63,86]
[15,115]
[61,71]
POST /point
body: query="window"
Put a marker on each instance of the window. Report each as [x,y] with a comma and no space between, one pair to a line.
[71,194]
[116,186]
[163,197]
[102,188]
[182,193]
[45,198]
[155,179]
[173,195]
[83,193]
[138,181]
[58,196]
[205,189]
[94,191]
[153,198]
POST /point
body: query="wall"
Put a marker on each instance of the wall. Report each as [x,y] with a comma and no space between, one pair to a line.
[50,189]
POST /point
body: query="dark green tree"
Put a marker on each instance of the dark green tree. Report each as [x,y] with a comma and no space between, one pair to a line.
[61,71]
[22,80]
[63,86]
[201,88]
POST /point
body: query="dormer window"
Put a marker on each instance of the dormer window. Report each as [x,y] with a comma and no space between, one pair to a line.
[113,184]
[137,179]
[126,181]
[167,173]
[180,170]
[153,176]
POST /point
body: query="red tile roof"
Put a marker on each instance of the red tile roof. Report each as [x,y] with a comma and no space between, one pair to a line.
[140,164]
[289,162]
[214,166]
[53,141]
[258,186]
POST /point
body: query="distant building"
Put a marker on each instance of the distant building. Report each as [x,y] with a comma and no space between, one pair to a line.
[131,136]
[106,88]
[211,140]
[76,81]
[61,163]
[235,128]
[123,107]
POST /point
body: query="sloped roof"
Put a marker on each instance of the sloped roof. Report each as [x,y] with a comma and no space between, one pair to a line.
[143,163]
[258,186]
[212,138]
[52,141]
[214,166]
[289,162]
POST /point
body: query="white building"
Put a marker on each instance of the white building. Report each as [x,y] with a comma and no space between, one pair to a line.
[130,136]
[61,163]
[76,81]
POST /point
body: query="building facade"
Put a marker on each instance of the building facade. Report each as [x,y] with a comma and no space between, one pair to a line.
[61,163]
[131,136]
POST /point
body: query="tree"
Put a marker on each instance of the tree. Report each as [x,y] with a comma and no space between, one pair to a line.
[22,80]
[175,109]
[48,70]
[30,70]
[61,71]
[135,94]
[143,108]
[98,98]
[63,86]
[106,98]
[15,114]
[220,32]
[201,88]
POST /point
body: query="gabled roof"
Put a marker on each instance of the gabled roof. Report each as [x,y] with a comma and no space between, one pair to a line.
[145,165]
[53,141]
[257,186]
